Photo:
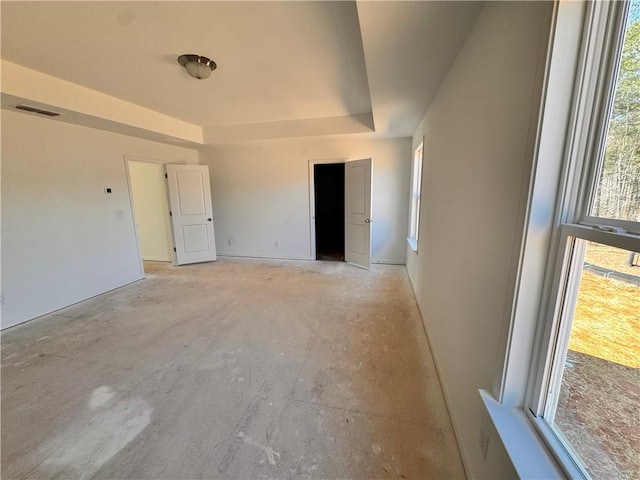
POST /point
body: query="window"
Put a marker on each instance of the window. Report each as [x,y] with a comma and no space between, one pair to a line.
[584,395]
[416,181]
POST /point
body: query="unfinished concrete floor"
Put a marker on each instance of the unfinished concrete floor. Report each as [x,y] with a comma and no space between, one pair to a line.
[234,369]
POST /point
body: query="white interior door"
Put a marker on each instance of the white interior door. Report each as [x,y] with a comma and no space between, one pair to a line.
[357,184]
[191,213]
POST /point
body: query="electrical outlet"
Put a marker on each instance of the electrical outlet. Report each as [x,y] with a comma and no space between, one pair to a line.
[1,298]
[277,243]
[230,241]
[483,442]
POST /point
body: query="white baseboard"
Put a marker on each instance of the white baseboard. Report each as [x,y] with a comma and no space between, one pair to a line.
[262,255]
[382,261]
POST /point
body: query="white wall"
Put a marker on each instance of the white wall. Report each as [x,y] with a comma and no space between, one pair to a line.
[149,192]
[478,150]
[63,239]
[260,194]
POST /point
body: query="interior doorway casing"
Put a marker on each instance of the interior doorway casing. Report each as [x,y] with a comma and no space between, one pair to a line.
[312,201]
[166,227]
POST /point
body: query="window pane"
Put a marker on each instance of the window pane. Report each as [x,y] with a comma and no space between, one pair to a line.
[598,410]
[618,186]
[415,193]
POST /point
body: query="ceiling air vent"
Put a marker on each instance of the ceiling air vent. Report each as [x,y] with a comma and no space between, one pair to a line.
[27,108]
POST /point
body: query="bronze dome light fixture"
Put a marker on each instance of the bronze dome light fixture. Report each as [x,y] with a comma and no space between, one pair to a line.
[197,66]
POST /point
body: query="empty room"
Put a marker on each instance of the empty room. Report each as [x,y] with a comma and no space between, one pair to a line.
[320,239]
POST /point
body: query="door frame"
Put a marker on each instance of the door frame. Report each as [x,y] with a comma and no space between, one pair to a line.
[312,200]
[137,158]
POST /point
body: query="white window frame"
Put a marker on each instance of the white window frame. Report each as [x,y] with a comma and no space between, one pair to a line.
[416,188]
[605,33]
[576,93]
[604,30]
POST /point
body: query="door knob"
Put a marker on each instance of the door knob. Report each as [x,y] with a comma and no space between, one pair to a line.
[368,220]
[209,219]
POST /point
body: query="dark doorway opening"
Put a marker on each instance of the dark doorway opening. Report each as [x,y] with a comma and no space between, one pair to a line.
[329,200]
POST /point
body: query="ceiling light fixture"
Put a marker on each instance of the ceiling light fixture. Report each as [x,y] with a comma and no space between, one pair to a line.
[197,66]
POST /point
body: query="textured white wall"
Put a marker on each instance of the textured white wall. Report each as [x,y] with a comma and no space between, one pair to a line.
[261,194]
[63,239]
[479,133]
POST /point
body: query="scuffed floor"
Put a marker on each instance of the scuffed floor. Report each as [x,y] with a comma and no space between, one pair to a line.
[235,369]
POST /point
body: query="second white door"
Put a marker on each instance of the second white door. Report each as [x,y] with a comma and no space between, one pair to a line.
[357,182]
[191,213]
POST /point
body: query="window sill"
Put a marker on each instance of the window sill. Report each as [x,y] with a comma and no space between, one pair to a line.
[413,244]
[526,450]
